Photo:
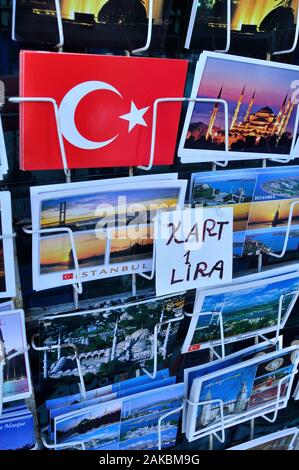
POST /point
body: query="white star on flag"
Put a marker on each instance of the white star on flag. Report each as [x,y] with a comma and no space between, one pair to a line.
[135,116]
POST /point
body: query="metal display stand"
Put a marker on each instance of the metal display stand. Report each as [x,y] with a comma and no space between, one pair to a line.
[60,44]
[58,17]
[186,100]
[52,102]
[227,424]
[287,236]
[221,329]
[56,347]
[157,328]
[228,26]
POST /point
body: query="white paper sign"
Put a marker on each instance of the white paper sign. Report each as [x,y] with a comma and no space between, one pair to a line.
[194,248]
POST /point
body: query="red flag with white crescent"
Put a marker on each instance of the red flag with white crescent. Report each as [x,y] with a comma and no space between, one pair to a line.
[105,109]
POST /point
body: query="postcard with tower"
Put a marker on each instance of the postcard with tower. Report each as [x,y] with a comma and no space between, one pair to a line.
[99,231]
[246,309]
[233,395]
[262,102]
[273,21]
[16,380]
[108,340]
[7,268]
[121,24]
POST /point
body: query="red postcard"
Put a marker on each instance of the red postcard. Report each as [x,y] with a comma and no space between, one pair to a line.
[105,109]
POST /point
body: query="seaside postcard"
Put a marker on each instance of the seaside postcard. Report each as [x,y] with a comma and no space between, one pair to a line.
[247,309]
[111,226]
[276,194]
[262,118]
[130,423]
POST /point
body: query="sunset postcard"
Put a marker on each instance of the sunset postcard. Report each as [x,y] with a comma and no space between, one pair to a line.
[261,109]
[112,229]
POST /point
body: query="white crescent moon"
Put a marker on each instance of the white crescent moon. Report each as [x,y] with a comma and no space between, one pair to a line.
[67,110]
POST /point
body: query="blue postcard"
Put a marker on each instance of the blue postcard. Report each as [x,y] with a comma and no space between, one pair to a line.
[17,433]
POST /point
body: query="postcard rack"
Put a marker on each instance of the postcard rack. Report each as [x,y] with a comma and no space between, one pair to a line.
[57,347]
[60,44]
[78,285]
[186,100]
[2,365]
[228,25]
[221,331]
[157,329]
[280,402]
[287,235]
[82,443]
[228,30]
[55,108]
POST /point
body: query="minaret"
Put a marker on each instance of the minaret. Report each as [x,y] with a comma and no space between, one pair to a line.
[280,114]
[241,399]
[284,118]
[276,217]
[237,110]
[248,112]
[214,115]
[287,118]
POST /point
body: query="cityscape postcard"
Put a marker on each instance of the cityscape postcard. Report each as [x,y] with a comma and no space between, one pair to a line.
[226,188]
[247,310]
[121,24]
[275,206]
[16,372]
[131,423]
[243,391]
[108,341]
[261,98]
[112,229]
[273,20]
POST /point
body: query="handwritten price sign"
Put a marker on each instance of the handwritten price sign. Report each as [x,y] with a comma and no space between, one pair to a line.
[194,248]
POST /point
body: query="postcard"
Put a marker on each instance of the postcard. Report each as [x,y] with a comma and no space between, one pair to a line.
[192,373]
[226,188]
[112,24]
[130,423]
[261,198]
[287,439]
[112,228]
[6,306]
[106,110]
[17,433]
[273,21]
[275,195]
[16,372]
[263,119]
[7,268]
[244,390]
[108,341]
[248,309]
[65,400]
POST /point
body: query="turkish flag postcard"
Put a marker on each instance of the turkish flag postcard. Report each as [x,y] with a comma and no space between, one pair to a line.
[105,109]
